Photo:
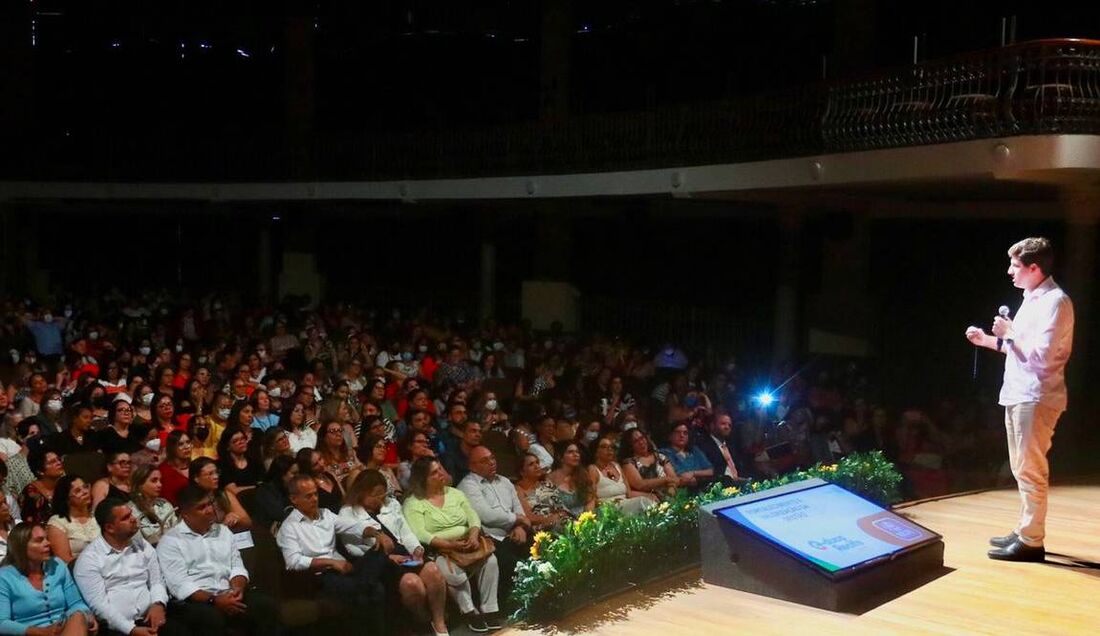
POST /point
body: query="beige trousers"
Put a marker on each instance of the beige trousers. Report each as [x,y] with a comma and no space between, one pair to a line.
[1030,427]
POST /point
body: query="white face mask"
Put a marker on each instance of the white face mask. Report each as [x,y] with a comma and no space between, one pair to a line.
[202,359]
[47,317]
[147,399]
[423,348]
[68,313]
[591,436]
[53,406]
[145,350]
[93,335]
[14,356]
[275,393]
[629,425]
[491,405]
[179,348]
[153,444]
[223,414]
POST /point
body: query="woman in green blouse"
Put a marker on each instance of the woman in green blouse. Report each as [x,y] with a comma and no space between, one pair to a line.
[443,521]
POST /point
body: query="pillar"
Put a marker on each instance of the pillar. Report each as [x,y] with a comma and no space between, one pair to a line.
[487,287]
[785,336]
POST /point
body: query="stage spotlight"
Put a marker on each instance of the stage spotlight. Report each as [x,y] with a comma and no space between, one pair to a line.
[765,398]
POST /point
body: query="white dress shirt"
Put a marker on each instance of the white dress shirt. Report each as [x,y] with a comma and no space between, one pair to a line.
[190,561]
[495,502]
[546,460]
[120,585]
[304,437]
[1035,362]
[390,514]
[303,539]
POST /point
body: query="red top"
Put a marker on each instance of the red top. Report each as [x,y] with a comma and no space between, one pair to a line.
[172,482]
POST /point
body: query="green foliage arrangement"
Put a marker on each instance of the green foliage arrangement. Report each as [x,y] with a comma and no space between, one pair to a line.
[606,551]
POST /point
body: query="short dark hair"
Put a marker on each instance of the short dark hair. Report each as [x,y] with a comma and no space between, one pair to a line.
[105,511]
[294,487]
[190,496]
[1034,250]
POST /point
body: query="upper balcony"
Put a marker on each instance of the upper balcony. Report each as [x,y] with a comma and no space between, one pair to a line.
[1046,87]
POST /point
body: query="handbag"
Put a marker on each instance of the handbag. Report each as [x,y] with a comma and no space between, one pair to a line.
[485,548]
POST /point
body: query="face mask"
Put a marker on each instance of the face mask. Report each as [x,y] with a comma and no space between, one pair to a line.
[202,359]
[223,414]
[491,405]
[498,346]
[275,393]
[153,444]
[316,394]
[93,335]
[68,313]
[147,399]
[14,356]
[406,356]
[591,436]
[629,425]
[53,406]
[145,350]
[423,348]
[47,317]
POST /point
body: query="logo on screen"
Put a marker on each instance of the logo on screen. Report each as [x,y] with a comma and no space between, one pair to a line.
[897,529]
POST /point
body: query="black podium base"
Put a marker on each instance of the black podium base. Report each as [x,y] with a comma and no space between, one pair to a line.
[736,558]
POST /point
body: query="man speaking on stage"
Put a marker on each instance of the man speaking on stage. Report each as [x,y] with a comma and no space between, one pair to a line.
[1037,345]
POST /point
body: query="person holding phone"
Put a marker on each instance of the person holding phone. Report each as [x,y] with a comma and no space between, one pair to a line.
[419,585]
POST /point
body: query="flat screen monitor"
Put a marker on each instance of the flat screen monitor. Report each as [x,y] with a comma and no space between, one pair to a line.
[834,530]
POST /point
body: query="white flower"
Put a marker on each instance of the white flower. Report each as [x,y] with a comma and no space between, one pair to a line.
[545,570]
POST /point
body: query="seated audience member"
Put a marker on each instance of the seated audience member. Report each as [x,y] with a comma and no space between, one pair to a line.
[541,501]
[496,503]
[155,515]
[272,502]
[8,497]
[337,457]
[415,445]
[330,493]
[307,539]
[202,569]
[36,500]
[37,593]
[238,471]
[456,459]
[543,443]
[690,464]
[293,421]
[117,482]
[276,443]
[714,443]
[227,508]
[208,429]
[122,433]
[372,453]
[610,482]
[72,527]
[646,469]
[443,520]
[176,467]
[421,588]
[7,522]
[78,437]
[570,477]
[119,576]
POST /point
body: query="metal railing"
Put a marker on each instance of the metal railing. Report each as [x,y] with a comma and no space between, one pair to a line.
[1040,87]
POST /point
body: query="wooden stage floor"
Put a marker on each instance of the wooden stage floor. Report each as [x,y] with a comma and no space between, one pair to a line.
[979,596]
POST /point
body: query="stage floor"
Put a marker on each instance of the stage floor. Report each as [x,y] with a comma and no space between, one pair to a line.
[979,596]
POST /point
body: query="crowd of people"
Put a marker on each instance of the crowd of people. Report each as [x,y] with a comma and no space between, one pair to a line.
[406,461]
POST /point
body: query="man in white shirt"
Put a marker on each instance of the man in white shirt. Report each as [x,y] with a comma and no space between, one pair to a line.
[307,538]
[496,503]
[119,576]
[1037,344]
[202,569]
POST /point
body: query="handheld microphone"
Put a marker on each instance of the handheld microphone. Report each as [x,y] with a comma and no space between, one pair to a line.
[1002,311]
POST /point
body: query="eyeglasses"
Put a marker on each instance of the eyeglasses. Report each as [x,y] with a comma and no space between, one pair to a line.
[123,463]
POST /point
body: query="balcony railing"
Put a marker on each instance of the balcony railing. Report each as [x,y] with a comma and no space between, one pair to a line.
[1040,87]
